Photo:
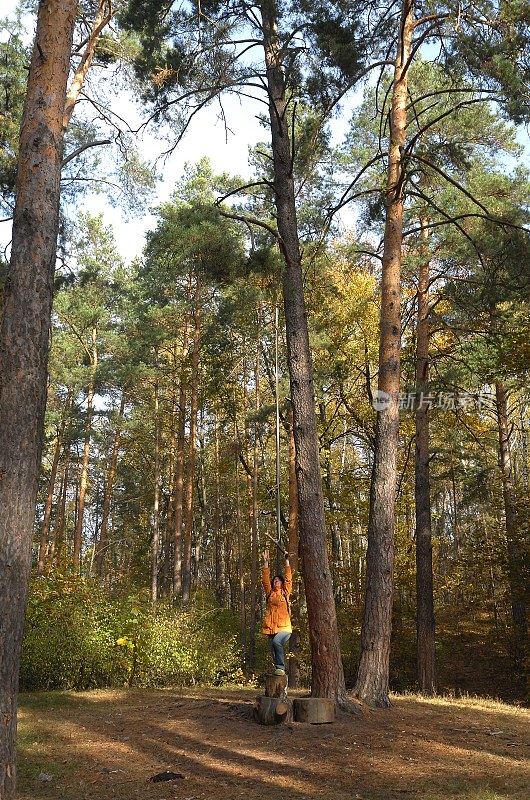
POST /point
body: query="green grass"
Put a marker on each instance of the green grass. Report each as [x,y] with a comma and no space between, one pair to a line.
[36,701]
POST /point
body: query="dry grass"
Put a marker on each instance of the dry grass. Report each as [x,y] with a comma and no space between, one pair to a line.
[107,744]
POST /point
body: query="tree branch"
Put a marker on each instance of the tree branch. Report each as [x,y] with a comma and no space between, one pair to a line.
[103,17]
[81,149]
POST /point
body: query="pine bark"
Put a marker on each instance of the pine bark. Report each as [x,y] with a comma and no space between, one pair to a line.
[59,530]
[516,559]
[102,17]
[425,624]
[103,541]
[327,669]
[252,485]
[372,676]
[45,530]
[221,592]
[192,451]
[155,545]
[179,487]
[24,336]
[83,478]
[240,565]
[294,641]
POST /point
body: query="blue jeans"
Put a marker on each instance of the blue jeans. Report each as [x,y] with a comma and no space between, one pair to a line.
[277,642]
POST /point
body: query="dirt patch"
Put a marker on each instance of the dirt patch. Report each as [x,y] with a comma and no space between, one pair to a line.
[109,744]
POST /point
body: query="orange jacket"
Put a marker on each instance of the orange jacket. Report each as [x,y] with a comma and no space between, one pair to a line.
[277,613]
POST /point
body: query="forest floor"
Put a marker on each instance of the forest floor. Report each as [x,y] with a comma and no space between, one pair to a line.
[110,743]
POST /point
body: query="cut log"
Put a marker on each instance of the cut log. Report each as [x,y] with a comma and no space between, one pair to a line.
[273,710]
[315,710]
[276,686]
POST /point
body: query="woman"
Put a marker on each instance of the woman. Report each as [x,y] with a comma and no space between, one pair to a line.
[277,621]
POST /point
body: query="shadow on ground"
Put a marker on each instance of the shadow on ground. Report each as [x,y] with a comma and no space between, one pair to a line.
[108,744]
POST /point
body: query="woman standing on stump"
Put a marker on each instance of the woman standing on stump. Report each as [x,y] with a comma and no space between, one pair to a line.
[277,621]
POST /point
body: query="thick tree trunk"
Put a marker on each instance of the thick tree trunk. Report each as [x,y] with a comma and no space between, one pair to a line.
[192,450]
[313,710]
[103,542]
[327,669]
[83,478]
[425,628]
[45,530]
[372,676]
[24,335]
[515,553]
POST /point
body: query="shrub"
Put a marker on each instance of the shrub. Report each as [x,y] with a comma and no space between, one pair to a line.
[78,637]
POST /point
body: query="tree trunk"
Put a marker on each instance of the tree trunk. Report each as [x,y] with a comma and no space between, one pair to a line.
[179,486]
[240,554]
[24,335]
[59,529]
[293,500]
[252,484]
[313,710]
[201,538]
[327,669]
[372,676]
[45,530]
[156,501]
[336,554]
[220,560]
[102,17]
[425,628]
[83,478]
[188,497]
[515,554]
[294,641]
[103,542]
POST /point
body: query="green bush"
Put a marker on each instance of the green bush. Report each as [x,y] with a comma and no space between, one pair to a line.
[179,648]
[78,637]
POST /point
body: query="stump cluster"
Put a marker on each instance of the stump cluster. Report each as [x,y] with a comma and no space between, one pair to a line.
[275,708]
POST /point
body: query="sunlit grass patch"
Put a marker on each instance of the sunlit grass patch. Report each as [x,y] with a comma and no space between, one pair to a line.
[464,701]
[47,700]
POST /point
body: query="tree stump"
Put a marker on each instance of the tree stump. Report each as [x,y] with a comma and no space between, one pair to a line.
[275,685]
[273,710]
[315,710]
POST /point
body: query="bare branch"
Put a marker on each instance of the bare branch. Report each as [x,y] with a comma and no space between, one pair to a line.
[450,180]
[253,221]
[81,149]
[242,189]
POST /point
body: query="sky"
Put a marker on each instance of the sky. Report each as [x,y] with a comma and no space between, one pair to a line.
[206,136]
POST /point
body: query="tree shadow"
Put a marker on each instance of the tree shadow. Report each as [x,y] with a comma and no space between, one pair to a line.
[415,748]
